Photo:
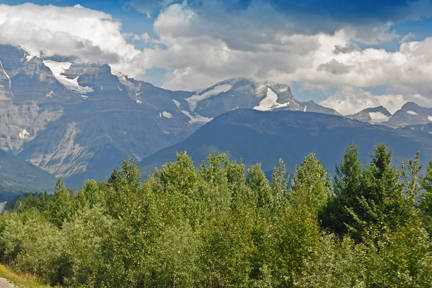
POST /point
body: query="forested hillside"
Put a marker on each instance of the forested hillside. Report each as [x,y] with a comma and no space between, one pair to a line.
[265,137]
[221,226]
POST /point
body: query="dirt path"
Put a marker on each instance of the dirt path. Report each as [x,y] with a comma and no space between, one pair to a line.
[6,284]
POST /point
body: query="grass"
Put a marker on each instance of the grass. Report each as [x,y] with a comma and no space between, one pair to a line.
[21,280]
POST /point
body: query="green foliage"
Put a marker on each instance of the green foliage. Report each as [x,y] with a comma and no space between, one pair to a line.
[310,186]
[347,187]
[279,185]
[61,205]
[219,226]
[257,181]
[365,197]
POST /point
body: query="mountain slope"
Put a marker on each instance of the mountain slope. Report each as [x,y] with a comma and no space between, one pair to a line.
[372,115]
[17,176]
[76,119]
[264,137]
[410,114]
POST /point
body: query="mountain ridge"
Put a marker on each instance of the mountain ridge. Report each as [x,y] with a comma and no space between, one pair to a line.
[65,115]
[264,137]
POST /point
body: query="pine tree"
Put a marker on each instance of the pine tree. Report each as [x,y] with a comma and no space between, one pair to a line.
[346,190]
[368,198]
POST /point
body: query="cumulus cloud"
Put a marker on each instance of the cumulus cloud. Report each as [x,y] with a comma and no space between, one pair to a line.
[65,31]
[334,67]
[203,42]
[350,100]
[201,48]
[373,18]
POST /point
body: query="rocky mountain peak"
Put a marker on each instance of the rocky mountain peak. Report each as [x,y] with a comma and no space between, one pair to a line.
[374,115]
[410,114]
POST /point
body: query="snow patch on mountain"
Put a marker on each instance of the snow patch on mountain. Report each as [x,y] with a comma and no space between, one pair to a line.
[378,117]
[23,134]
[167,114]
[197,118]
[412,112]
[429,118]
[71,84]
[193,100]
[10,84]
[50,94]
[269,102]
[177,103]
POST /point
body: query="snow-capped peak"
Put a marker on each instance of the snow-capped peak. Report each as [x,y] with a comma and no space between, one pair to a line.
[57,68]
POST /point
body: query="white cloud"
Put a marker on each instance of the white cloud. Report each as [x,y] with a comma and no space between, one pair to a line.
[65,31]
[201,50]
[200,47]
[350,100]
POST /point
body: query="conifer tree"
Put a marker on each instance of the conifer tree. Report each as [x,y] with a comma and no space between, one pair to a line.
[368,198]
[346,190]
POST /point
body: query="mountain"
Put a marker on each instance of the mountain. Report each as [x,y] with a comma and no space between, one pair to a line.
[264,137]
[17,176]
[410,114]
[372,115]
[76,119]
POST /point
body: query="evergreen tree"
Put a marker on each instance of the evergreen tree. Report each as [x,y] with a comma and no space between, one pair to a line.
[381,201]
[369,198]
[44,202]
[346,190]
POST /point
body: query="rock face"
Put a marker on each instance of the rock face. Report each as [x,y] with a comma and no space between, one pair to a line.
[77,120]
[411,114]
[375,115]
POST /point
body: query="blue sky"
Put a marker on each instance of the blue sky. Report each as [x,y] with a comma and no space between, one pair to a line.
[345,54]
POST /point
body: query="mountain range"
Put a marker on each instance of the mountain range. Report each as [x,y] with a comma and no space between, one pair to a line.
[265,137]
[76,119]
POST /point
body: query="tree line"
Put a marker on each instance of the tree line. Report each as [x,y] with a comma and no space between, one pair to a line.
[221,225]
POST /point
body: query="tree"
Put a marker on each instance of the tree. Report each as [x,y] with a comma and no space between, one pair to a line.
[368,198]
[346,190]
[61,205]
[425,204]
[310,184]
[279,184]
[382,200]
[91,194]
[44,202]
[257,181]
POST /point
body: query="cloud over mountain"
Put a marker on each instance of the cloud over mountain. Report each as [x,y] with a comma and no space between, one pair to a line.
[88,34]
[319,44]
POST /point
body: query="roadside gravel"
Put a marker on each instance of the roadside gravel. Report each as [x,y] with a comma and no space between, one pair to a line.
[4,283]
